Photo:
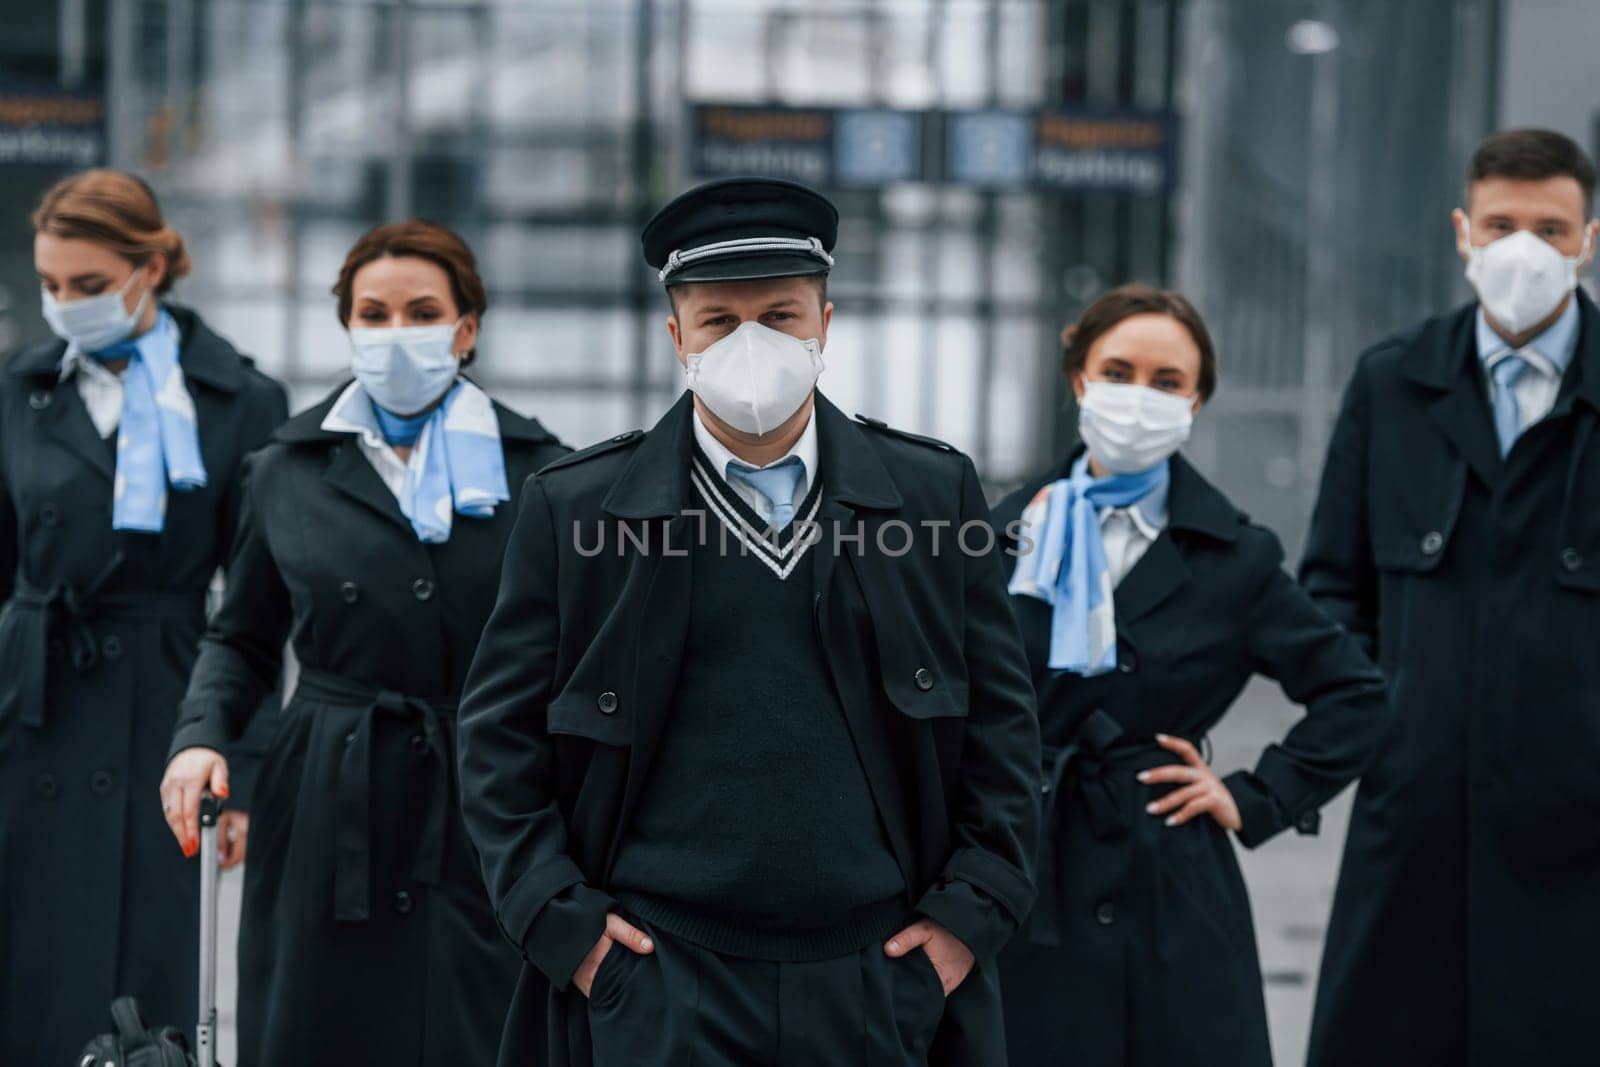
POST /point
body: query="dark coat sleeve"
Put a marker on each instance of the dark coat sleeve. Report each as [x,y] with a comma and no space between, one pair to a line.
[241,655]
[507,761]
[1338,569]
[266,408]
[8,534]
[987,885]
[1322,667]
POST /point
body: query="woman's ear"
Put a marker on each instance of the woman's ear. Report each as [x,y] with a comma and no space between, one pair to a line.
[152,273]
[1077,380]
[466,335]
[1199,402]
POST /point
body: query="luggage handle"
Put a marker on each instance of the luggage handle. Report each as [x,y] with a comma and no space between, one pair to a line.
[206,1025]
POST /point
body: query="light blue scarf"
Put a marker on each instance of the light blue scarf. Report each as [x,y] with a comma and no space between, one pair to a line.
[158,437]
[1063,519]
[457,465]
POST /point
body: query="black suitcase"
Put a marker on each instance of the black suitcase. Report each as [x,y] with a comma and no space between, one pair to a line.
[133,1044]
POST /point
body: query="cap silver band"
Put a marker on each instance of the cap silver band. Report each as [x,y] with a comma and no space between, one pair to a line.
[682,257]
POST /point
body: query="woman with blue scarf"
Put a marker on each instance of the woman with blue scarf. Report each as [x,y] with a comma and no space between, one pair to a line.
[373,530]
[121,444]
[1147,602]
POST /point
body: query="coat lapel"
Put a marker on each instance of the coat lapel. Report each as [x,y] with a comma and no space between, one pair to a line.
[351,473]
[1443,361]
[856,489]
[68,421]
[652,496]
[1194,508]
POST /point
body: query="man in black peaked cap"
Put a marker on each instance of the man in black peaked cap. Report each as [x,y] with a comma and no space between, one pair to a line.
[749,748]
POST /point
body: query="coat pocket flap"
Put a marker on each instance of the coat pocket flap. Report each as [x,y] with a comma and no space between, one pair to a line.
[922,694]
[602,715]
[1411,525]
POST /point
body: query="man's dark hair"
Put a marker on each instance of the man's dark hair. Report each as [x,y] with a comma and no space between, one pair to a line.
[819,280]
[1532,155]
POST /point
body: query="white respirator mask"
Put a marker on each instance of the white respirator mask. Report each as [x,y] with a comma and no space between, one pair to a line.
[756,377]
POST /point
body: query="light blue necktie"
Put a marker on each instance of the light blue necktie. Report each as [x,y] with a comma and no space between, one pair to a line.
[1507,415]
[776,483]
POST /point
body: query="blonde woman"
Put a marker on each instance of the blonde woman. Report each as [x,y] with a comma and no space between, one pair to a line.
[120,449]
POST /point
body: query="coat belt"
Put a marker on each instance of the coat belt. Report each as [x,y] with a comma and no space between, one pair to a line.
[352,870]
[33,613]
[1092,768]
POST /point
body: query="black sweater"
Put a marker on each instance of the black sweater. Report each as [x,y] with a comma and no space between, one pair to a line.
[756,834]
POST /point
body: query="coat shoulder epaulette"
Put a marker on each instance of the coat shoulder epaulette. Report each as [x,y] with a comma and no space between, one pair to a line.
[904,435]
[610,444]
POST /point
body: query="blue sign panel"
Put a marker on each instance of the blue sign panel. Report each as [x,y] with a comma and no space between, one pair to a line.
[42,124]
[1059,150]
[993,148]
[1104,152]
[778,142]
[877,147]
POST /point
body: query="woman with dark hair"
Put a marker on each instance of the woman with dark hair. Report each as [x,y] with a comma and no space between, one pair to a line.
[121,443]
[1146,602]
[372,534]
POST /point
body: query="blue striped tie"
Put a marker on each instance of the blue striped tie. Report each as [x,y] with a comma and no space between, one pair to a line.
[1507,415]
[776,483]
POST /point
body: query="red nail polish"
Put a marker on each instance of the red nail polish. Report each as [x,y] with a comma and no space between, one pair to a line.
[222,792]
[188,850]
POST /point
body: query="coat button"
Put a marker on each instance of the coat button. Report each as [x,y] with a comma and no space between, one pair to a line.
[422,589]
[48,514]
[39,399]
[1433,543]
[1044,790]
[350,738]
[1309,822]
[607,702]
[923,678]
[1105,914]
[111,647]
[101,782]
[419,744]
[350,592]
[46,785]
[1571,559]
[402,902]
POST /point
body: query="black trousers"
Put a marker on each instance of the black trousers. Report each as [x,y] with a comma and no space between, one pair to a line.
[683,1004]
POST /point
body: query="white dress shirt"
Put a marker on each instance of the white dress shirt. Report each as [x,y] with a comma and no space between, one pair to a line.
[352,413]
[1547,355]
[720,457]
[100,386]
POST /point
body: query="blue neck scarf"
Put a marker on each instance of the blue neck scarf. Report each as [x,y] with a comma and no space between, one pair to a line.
[1067,567]
[400,430]
[158,436]
[457,464]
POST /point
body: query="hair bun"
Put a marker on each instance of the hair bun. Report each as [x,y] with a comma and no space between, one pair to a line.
[1067,334]
[177,254]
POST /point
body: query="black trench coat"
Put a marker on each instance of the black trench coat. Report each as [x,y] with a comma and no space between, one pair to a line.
[570,689]
[1466,924]
[365,936]
[95,897]
[1141,951]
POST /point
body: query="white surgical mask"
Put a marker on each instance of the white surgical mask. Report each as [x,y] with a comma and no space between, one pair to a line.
[756,377]
[1521,278]
[404,368]
[93,322]
[1131,428]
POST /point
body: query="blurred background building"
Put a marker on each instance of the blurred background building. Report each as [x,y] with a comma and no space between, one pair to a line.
[1290,164]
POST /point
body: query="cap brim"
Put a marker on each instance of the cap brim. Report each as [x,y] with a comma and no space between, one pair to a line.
[748,268]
